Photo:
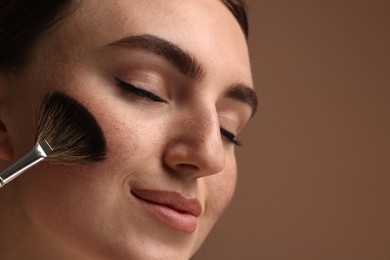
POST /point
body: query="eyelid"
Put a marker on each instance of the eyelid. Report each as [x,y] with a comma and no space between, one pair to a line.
[140,92]
[230,137]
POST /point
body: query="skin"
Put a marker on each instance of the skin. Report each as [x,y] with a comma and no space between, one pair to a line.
[87,211]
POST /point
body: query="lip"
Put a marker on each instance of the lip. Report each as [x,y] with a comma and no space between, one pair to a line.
[171,208]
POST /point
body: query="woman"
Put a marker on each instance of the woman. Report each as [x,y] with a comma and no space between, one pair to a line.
[169,82]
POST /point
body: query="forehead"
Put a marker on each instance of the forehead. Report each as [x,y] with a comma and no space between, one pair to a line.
[204,28]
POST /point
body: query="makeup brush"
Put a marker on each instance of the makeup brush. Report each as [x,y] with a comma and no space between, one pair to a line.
[66,132]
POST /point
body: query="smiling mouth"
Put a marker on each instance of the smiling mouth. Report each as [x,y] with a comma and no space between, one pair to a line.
[170,208]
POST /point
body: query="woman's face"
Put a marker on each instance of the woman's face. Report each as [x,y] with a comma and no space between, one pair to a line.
[170,171]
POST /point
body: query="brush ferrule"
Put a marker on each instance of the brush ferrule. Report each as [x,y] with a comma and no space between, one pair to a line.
[38,153]
[45,148]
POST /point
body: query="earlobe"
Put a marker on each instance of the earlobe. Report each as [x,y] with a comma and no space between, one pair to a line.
[6,153]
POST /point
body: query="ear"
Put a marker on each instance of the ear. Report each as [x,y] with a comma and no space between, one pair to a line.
[6,152]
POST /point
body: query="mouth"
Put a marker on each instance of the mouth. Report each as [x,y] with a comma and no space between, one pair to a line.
[170,208]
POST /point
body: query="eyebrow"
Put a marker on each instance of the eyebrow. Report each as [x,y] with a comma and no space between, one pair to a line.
[245,94]
[181,59]
[187,64]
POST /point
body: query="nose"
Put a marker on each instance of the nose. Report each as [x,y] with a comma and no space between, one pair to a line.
[195,148]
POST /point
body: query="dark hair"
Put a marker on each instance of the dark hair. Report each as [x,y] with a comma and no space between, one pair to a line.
[239,10]
[22,22]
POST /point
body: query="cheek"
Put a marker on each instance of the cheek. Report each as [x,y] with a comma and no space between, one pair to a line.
[83,206]
[126,139]
[220,190]
[134,138]
[66,193]
[52,195]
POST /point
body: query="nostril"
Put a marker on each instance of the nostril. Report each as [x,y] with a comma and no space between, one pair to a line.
[186,166]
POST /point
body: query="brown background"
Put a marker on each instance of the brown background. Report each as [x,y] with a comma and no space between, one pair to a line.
[314,178]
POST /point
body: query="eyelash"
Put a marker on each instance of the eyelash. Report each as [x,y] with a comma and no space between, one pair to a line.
[151,96]
[139,92]
[230,137]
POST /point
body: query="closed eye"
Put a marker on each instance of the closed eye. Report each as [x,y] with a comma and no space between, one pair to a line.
[139,92]
[230,137]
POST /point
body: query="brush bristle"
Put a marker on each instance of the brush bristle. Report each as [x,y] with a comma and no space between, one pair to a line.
[70,129]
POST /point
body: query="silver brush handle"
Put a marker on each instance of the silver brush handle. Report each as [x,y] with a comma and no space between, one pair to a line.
[40,151]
